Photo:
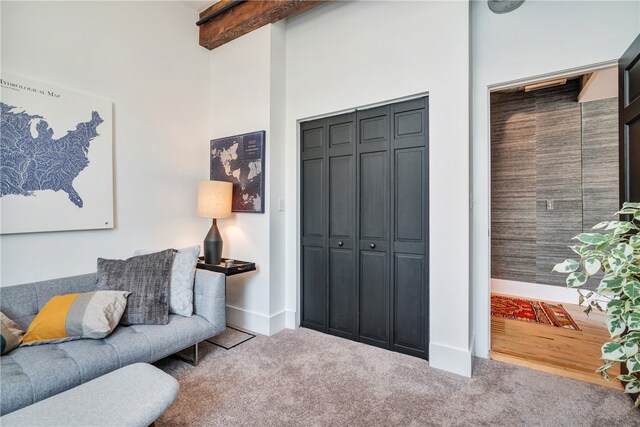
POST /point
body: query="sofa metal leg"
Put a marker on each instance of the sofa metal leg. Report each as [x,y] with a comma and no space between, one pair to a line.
[195,357]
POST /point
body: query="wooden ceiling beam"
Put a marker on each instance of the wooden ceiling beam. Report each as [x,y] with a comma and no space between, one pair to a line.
[235,20]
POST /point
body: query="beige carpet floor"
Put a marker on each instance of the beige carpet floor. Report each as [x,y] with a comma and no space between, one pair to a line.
[304,378]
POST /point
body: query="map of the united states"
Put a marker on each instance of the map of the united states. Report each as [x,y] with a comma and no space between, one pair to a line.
[31,160]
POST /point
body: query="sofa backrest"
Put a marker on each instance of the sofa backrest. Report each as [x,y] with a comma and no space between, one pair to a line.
[21,303]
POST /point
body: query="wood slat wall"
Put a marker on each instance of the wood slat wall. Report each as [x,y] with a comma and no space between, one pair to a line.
[558,178]
[553,172]
[513,186]
[600,174]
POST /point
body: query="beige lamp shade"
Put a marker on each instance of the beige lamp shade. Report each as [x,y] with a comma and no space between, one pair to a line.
[214,199]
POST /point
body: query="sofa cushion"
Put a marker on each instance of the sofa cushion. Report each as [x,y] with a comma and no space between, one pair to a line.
[178,334]
[147,278]
[30,374]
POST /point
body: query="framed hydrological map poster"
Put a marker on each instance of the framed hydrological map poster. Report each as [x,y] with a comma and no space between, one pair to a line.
[239,159]
[56,168]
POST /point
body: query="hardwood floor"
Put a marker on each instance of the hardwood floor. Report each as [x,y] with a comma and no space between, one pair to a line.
[560,351]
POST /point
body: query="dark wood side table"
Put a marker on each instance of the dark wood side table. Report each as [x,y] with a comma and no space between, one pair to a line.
[238,267]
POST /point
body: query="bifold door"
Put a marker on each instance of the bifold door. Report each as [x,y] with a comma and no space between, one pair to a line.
[365,226]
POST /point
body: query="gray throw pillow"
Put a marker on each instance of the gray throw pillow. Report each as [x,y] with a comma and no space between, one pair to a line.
[147,277]
[183,274]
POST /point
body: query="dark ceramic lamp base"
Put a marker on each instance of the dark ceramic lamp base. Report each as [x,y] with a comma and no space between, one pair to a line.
[213,245]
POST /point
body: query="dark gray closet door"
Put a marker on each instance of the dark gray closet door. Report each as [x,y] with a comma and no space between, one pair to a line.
[373,196]
[342,291]
[314,230]
[365,226]
[409,230]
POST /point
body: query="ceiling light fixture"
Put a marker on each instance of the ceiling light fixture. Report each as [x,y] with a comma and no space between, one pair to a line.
[504,6]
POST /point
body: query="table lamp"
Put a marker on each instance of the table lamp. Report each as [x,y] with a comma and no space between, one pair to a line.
[214,201]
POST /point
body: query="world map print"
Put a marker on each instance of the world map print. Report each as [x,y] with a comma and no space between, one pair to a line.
[32,160]
[240,160]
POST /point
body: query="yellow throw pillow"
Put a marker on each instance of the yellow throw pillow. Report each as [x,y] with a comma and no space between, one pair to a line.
[74,316]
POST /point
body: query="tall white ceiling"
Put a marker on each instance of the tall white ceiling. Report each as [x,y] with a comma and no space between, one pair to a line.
[198,5]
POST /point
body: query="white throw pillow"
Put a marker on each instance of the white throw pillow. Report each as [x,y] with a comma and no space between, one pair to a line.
[183,274]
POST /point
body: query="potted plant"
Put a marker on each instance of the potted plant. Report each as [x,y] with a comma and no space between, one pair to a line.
[616,252]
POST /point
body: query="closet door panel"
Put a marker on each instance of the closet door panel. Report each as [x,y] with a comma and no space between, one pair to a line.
[409,234]
[374,196]
[409,303]
[410,124]
[342,309]
[342,297]
[373,214]
[312,190]
[314,234]
[374,298]
[409,195]
[341,197]
[314,287]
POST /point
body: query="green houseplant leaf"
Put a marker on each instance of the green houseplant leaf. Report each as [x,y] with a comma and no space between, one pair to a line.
[591,238]
[633,321]
[632,387]
[613,283]
[633,364]
[630,349]
[567,266]
[613,351]
[616,325]
[576,279]
[592,266]
[632,289]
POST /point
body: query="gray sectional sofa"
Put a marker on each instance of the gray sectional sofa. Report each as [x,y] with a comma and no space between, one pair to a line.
[30,374]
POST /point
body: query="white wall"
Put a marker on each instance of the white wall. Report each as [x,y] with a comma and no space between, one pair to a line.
[143,56]
[246,95]
[346,55]
[538,38]
[277,297]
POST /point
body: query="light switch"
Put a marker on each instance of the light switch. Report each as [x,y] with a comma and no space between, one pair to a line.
[280,204]
[549,205]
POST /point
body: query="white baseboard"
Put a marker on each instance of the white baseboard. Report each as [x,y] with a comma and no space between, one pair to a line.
[277,322]
[535,291]
[257,322]
[248,320]
[456,360]
[291,319]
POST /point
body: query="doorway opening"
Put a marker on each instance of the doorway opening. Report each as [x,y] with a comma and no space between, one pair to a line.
[554,174]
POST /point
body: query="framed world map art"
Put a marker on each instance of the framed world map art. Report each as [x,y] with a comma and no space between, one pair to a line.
[56,166]
[239,159]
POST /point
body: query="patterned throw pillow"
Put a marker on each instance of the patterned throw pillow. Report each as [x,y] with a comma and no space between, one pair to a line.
[183,273]
[10,334]
[75,316]
[147,278]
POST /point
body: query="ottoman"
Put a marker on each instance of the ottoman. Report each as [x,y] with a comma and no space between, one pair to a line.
[135,395]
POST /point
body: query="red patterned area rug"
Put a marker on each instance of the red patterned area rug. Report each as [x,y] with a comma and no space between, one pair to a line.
[532,311]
